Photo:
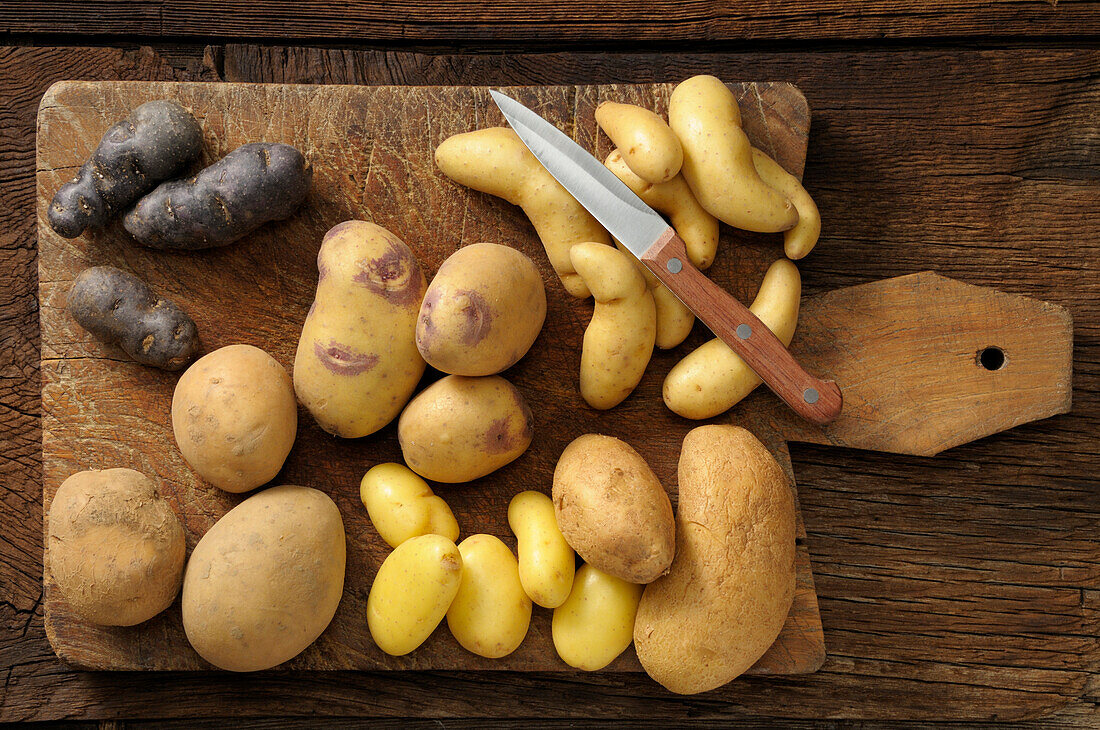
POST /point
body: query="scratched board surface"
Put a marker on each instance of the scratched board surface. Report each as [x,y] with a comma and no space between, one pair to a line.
[371,150]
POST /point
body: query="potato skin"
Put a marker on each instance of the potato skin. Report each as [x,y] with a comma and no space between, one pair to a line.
[732,584]
[482,311]
[357,363]
[264,582]
[116,547]
[252,185]
[650,148]
[234,417]
[459,429]
[120,309]
[157,141]
[612,509]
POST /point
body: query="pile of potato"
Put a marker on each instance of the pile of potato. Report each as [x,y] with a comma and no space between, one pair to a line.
[697,169]
[701,594]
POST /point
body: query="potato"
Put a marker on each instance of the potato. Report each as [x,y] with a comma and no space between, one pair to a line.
[712,379]
[718,162]
[649,148]
[482,311]
[156,142]
[495,161]
[800,240]
[732,583]
[357,363]
[595,624]
[402,506]
[618,342]
[697,228]
[120,309]
[490,613]
[116,548]
[264,582]
[459,429]
[546,562]
[612,509]
[252,185]
[412,592]
[234,417]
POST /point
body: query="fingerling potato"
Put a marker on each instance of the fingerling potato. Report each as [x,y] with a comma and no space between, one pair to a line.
[402,506]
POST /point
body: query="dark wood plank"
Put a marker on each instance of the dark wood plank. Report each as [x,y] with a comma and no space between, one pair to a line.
[964,586]
[513,22]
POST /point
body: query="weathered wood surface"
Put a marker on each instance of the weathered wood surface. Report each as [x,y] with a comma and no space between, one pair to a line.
[566,21]
[962,587]
[372,154]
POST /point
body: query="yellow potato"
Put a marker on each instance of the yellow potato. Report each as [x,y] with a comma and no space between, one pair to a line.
[612,509]
[357,362]
[412,592]
[596,622]
[713,379]
[401,505]
[482,312]
[546,562]
[800,240]
[459,429]
[619,340]
[490,613]
[718,159]
[235,418]
[116,548]
[697,227]
[495,161]
[732,584]
[650,148]
[264,582]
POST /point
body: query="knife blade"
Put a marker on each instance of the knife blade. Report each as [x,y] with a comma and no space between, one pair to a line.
[650,238]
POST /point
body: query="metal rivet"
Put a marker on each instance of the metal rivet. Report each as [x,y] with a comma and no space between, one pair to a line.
[744,331]
[675,265]
[810,395]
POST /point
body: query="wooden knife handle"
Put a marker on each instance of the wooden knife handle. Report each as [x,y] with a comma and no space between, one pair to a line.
[731,321]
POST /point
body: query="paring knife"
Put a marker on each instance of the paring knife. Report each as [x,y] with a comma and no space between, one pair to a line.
[653,241]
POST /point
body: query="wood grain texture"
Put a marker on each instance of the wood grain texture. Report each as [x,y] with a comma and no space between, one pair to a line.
[372,154]
[511,22]
[958,588]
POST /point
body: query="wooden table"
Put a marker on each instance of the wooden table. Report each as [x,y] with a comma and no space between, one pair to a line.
[963,137]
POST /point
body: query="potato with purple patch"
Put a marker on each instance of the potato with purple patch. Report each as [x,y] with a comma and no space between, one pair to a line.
[460,429]
[482,312]
[357,362]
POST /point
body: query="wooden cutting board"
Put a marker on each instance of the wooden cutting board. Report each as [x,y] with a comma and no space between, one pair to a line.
[906,351]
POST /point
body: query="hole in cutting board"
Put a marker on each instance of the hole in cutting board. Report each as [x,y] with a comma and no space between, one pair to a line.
[992,358]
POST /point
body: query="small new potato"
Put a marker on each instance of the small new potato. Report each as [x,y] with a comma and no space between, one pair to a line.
[649,147]
[412,591]
[495,161]
[116,548]
[402,506]
[357,363]
[612,509]
[264,582]
[546,562]
[718,163]
[732,584]
[120,309]
[459,429]
[490,613]
[618,342]
[712,379]
[596,622]
[235,418]
[482,311]
[800,240]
